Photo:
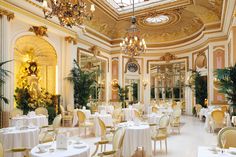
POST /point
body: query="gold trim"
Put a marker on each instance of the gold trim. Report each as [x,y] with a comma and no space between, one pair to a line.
[10,15]
[70,39]
[39,30]
[40,19]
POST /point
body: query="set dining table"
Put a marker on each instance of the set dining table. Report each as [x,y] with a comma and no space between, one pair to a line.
[36,120]
[215,152]
[22,137]
[137,134]
[73,149]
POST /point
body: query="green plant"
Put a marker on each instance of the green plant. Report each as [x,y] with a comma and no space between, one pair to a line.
[226,80]
[200,89]
[3,74]
[83,82]
[122,92]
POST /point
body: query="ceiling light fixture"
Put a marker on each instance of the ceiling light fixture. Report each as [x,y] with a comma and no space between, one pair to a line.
[69,12]
[133,44]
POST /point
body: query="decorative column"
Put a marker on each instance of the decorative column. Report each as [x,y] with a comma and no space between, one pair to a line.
[5,55]
[68,56]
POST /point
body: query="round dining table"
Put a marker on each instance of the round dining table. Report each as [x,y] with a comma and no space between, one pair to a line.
[36,120]
[73,150]
[18,138]
[137,135]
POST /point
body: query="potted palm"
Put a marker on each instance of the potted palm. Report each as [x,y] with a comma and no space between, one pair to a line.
[3,74]
[226,82]
[83,82]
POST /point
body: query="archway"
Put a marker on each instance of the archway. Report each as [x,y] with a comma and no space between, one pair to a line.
[30,49]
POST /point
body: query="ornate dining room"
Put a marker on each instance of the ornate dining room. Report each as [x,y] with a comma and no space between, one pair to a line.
[117,78]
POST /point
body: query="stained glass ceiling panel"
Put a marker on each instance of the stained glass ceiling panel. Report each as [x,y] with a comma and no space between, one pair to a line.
[125,5]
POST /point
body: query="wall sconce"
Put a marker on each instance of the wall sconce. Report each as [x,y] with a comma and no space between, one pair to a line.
[145,82]
[114,84]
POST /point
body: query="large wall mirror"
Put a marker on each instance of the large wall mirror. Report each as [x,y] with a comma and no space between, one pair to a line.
[167,81]
[91,62]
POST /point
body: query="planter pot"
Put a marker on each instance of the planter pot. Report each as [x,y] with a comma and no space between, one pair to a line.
[4,119]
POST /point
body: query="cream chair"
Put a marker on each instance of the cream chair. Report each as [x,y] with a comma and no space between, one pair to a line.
[16,112]
[24,151]
[224,108]
[82,121]
[161,132]
[70,108]
[154,109]
[174,104]
[227,135]
[48,133]
[41,110]
[117,116]
[198,108]
[117,143]
[175,120]
[183,106]
[217,120]
[66,116]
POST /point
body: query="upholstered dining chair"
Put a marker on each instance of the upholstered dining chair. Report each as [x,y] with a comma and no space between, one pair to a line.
[117,143]
[175,120]
[41,110]
[183,106]
[154,109]
[217,120]
[174,104]
[48,133]
[198,108]
[224,108]
[24,151]
[117,116]
[161,133]
[70,108]
[83,123]
[16,112]
[66,116]
[226,137]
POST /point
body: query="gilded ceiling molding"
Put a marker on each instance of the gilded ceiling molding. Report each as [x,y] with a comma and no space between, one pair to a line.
[167,57]
[70,39]
[39,30]
[10,15]
[94,50]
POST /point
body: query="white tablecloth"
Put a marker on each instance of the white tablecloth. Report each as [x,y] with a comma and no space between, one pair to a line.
[207,152]
[75,115]
[13,138]
[137,136]
[107,108]
[234,120]
[71,151]
[106,118]
[37,120]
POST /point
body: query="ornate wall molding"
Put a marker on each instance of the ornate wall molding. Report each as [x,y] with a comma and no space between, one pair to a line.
[70,39]
[10,15]
[39,30]
[167,57]
[94,50]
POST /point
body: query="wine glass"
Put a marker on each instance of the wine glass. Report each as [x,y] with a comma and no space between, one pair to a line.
[223,142]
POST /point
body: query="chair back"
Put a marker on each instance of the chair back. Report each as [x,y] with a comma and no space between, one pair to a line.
[174,104]
[183,105]
[81,117]
[154,109]
[70,107]
[62,109]
[198,108]
[224,108]
[41,110]
[164,121]
[176,113]
[103,128]
[118,137]
[57,121]
[137,114]
[1,150]
[16,112]
[218,116]
[229,135]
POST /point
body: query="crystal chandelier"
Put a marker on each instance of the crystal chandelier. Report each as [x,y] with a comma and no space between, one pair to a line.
[133,44]
[69,12]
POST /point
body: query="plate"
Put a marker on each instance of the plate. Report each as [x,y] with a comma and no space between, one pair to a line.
[79,146]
